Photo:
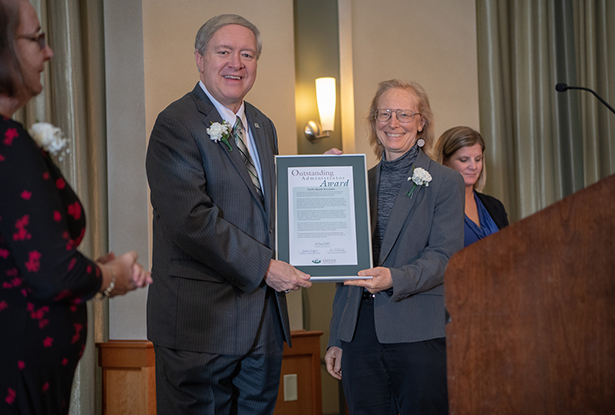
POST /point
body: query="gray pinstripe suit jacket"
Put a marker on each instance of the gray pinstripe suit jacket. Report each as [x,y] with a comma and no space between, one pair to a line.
[423,232]
[213,238]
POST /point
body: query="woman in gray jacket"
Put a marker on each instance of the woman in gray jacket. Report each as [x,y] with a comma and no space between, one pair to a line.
[387,333]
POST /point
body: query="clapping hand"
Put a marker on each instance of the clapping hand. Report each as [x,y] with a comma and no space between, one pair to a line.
[129,274]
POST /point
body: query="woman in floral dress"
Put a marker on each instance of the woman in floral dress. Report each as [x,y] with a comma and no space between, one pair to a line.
[44,280]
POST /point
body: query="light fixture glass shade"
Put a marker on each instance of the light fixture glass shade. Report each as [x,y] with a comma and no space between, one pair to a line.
[325,95]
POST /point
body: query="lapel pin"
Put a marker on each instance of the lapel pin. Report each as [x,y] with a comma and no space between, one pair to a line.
[256,125]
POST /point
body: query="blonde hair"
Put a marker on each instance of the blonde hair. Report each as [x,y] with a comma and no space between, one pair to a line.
[456,138]
[424,109]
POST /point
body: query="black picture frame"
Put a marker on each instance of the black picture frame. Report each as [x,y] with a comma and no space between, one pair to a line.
[320,272]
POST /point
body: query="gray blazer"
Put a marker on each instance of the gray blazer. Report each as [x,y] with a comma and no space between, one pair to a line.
[213,238]
[422,233]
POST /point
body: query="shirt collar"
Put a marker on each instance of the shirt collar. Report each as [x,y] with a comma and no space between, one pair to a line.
[226,114]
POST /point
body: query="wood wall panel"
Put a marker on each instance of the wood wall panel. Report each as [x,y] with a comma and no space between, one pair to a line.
[303,359]
[129,376]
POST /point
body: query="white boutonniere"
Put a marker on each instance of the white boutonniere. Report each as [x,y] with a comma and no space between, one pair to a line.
[220,132]
[50,138]
[420,177]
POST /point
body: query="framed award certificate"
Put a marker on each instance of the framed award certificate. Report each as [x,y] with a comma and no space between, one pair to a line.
[322,207]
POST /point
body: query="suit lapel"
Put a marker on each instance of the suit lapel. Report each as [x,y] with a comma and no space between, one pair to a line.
[373,180]
[403,207]
[206,107]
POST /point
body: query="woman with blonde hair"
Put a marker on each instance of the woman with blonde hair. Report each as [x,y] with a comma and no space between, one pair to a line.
[463,149]
[387,341]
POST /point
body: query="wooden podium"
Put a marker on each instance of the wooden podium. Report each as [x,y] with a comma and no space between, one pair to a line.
[532,313]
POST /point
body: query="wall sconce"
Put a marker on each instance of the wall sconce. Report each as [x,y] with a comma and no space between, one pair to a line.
[325,95]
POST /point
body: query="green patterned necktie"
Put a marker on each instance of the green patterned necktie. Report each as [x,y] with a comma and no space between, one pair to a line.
[238,131]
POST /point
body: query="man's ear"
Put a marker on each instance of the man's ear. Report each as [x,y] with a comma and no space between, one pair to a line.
[199,60]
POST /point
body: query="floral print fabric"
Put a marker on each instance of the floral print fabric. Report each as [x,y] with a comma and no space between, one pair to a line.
[44,280]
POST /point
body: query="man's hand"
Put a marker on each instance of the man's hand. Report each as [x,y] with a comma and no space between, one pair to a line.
[284,277]
[333,359]
[381,280]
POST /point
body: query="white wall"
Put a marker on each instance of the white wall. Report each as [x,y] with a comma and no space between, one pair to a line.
[432,42]
[126,143]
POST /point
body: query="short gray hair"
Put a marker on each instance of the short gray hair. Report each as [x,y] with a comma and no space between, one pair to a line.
[214,24]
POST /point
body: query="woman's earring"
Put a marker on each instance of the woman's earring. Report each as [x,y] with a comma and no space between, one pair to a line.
[420,142]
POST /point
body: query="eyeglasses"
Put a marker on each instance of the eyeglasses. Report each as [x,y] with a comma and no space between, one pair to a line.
[38,38]
[383,115]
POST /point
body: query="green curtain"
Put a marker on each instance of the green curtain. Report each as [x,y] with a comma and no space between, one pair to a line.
[73,99]
[543,145]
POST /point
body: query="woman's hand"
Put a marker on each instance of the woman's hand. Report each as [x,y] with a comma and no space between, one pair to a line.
[333,359]
[381,280]
[140,276]
[334,151]
[103,259]
[126,273]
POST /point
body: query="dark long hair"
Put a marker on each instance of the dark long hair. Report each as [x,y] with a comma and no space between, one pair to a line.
[10,69]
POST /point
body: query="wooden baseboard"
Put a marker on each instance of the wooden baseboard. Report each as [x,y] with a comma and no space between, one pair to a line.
[303,360]
[129,376]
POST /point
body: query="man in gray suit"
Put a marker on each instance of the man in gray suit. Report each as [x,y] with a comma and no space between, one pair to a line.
[217,310]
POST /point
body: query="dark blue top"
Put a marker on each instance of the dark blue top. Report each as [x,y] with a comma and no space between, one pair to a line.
[392,175]
[473,232]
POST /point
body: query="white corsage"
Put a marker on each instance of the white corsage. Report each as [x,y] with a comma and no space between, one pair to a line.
[220,132]
[420,177]
[50,138]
